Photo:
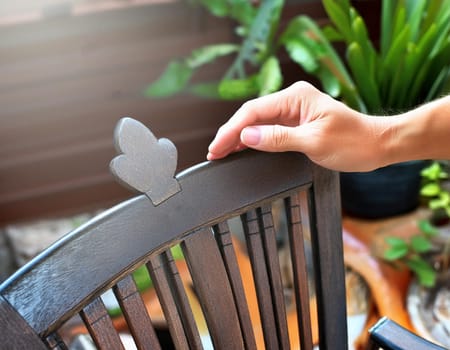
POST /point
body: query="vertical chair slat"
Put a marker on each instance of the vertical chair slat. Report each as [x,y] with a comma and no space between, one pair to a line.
[100,326]
[252,232]
[174,302]
[329,265]
[299,266]
[213,289]
[224,240]
[273,266]
[135,313]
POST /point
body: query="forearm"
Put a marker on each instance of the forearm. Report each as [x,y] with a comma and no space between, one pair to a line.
[422,133]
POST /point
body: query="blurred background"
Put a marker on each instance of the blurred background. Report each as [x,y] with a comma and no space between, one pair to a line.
[70,69]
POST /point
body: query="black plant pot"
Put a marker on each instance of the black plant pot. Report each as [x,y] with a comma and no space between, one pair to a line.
[384,192]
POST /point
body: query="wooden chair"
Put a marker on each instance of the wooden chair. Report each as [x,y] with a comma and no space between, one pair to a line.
[234,273]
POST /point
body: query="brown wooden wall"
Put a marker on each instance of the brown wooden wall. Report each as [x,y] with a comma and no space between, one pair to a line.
[66,80]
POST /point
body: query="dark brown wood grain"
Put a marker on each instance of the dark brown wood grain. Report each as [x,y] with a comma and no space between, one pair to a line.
[273,268]
[100,326]
[15,333]
[256,253]
[224,241]
[326,237]
[136,315]
[213,290]
[104,252]
[299,265]
[174,302]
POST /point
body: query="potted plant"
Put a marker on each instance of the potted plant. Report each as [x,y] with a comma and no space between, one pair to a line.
[427,255]
[409,66]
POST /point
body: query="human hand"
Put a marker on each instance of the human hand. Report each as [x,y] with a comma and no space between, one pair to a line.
[301,118]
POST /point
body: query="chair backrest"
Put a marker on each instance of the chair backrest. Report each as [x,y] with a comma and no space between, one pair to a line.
[236,222]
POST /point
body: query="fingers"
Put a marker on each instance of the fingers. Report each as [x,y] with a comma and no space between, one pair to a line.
[273,138]
[281,107]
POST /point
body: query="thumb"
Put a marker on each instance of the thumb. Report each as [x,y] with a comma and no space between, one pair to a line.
[271,138]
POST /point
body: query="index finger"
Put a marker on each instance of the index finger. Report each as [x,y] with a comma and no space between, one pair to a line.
[276,108]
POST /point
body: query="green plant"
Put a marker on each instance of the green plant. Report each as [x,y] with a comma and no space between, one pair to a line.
[410,252]
[438,197]
[257,26]
[410,66]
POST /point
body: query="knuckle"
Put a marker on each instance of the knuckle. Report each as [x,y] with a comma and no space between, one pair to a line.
[279,136]
[248,105]
[302,86]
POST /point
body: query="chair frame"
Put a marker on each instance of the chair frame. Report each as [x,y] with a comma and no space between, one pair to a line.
[100,254]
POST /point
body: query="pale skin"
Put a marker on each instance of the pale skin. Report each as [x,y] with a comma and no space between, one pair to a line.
[301,118]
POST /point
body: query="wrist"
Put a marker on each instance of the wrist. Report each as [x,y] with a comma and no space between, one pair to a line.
[387,143]
[421,133]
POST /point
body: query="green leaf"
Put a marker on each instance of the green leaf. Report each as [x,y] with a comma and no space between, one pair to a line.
[396,242]
[304,30]
[421,56]
[432,172]
[300,54]
[414,12]
[332,34]
[433,11]
[387,15]
[340,16]
[351,97]
[239,89]
[362,37]
[208,54]
[177,252]
[420,244]
[363,77]
[259,43]
[206,90]
[430,190]
[427,228]
[270,78]
[395,54]
[142,278]
[399,22]
[314,47]
[442,201]
[437,86]
[442,20]
[398,248]
[218,8]
[173,80]
[395,253]
[330,81]
[243,11]
[423,270]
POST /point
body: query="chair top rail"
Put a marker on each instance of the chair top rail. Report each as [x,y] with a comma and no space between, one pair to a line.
[110,244]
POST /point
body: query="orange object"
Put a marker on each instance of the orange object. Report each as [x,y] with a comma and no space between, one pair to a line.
[388,285]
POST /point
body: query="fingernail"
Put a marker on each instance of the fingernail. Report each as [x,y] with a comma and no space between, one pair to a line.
[251,136]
